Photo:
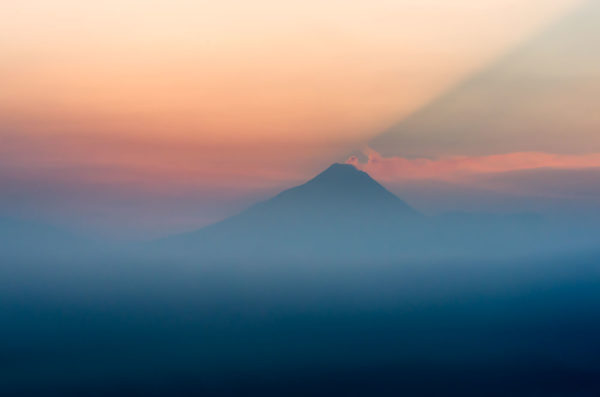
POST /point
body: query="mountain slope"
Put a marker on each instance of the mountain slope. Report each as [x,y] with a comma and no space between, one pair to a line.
[341,212]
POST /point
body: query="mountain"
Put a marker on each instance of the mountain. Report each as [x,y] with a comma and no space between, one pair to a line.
[343,215]
[340,213]
[543,96]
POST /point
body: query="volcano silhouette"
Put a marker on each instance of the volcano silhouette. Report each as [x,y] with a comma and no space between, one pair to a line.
[341,212]
[344,215]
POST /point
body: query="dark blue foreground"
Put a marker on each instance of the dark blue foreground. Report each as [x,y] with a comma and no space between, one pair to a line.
[102,327]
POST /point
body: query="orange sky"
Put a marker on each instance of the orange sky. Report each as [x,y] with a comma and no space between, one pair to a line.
[236,71]
[174,96]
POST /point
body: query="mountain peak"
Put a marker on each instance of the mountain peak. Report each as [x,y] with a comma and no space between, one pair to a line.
[342,185]
[323,215]
[342,174]
[341,167]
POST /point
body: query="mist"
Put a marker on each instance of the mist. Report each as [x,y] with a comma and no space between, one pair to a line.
[278,301]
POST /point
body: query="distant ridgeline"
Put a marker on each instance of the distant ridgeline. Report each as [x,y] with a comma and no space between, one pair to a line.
[33,239]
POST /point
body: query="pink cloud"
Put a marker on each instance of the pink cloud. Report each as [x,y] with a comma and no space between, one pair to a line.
[397,169]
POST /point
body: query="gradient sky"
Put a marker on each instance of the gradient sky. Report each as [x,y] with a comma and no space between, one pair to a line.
[541,96]
[170,114]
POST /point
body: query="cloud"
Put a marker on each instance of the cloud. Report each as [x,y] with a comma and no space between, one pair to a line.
[462,168]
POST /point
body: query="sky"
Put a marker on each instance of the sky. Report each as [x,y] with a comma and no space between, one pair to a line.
[530,99]
[140,118]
